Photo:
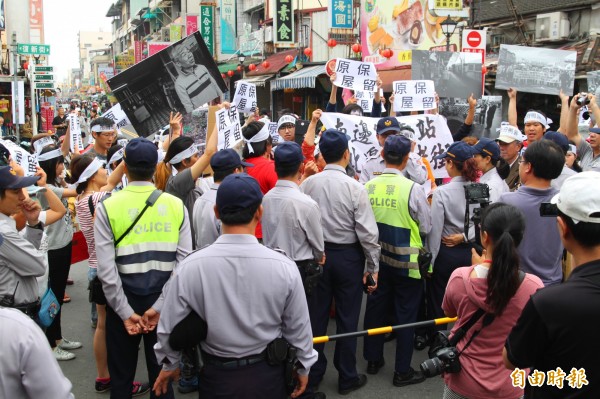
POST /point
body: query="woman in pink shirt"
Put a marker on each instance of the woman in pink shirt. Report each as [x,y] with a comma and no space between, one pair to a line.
[495,285]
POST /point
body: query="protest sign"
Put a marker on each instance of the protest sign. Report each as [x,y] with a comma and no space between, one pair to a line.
[365,100]
[432,134]
[75,133]
[355,75]
[39,145]
[181,78]
[454,74]
[413,95]
[593,81]
[536,69]
[487,119]
[274,133]
[24,159]
[228,129]
[245,96]
[117,114]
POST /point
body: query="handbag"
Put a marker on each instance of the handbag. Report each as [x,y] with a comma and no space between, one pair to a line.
[49,308]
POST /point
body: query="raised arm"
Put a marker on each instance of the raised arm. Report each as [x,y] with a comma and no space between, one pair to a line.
[572,131]
[333,95]
[311,132]
[211,148]
[512,107]
[174,129]
[564,112]
[471,113]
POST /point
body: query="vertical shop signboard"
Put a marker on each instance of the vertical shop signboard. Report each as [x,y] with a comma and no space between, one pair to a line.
[284,22]
[206,24]
[228,27]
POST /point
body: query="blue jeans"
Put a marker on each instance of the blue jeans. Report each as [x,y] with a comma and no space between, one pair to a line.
[92,272]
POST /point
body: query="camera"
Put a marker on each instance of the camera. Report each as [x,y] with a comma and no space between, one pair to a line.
[476,193]
[583,99]
[442,360]
[548,209]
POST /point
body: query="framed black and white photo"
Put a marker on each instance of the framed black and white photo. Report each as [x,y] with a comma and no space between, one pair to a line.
[180,78]
[536,69]
[454,74]
[488,115]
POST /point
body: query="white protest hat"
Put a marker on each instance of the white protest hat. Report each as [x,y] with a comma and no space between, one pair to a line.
[509,133]
[535,116]
[285,119]
[579,197]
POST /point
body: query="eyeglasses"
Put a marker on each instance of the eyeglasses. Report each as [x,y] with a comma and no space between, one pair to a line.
[108,134]
[287,127]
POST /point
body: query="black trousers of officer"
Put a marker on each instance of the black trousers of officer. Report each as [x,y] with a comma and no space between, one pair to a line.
[342,281]
[447,260]
[122,350]
[393,287]
[256,381]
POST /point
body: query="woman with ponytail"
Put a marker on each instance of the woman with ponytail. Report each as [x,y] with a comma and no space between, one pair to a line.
[494,168]
[494,284]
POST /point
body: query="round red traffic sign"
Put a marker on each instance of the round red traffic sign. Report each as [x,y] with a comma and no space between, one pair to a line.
[474,39]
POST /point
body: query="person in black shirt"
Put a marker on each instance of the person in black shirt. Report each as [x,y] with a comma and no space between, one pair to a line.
[554,335]
[60,122]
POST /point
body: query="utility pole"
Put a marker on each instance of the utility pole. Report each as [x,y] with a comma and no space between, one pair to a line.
[32,63]
[16,84]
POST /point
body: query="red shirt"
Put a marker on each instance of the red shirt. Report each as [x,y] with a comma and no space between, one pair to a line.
[264,172]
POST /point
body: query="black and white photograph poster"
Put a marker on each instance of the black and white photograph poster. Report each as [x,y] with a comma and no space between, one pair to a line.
[593,81]
[180,78]
[454,74]
[536,69]
[488,115]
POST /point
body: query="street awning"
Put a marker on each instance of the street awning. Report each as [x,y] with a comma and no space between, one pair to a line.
[305,77]
[276,63]
[259,81]
[224,68]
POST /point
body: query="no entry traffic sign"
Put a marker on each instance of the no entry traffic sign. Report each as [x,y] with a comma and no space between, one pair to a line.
[474,39]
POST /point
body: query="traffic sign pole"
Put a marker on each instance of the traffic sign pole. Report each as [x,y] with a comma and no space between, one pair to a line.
[15,93]
[33,99]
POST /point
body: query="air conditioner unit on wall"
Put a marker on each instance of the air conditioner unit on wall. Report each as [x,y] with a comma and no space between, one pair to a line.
[552,27]
[269,34]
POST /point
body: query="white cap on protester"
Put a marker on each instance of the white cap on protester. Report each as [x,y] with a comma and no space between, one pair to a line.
[579,197]
[509,133]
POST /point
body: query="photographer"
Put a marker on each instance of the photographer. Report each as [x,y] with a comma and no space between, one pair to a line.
[589,153]
[494,168]
[494,285]
[447,241]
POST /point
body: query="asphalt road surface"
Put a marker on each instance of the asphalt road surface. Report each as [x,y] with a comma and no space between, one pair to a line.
[81,371]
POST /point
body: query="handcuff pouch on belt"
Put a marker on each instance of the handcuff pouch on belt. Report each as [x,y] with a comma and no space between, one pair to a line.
[424,261]
[312,274]
[280,353]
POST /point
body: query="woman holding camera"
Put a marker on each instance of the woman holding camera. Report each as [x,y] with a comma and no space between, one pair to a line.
[494,284]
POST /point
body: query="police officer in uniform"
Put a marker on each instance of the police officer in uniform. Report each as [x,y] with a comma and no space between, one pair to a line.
[415,170]
[351,238]
[138,255]
[292,220]
[248,294]
[400,236]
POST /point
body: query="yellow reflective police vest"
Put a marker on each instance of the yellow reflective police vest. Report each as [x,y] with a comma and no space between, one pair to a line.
[398,232]
[145,257]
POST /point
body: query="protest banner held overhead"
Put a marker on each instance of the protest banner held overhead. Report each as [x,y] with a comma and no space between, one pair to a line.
[245,96]
[181,78]
[536,69]
[355,75]
[413,95]
[23,158]
[454,74]
[432,134]
[228,128]
[117,114]
[75,133]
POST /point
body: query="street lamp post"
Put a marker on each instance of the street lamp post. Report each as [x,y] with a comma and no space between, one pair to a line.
[241,59]
[448,27]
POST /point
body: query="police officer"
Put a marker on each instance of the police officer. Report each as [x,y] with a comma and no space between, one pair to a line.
[292,220]
[248,294]
[140,237]
[415,170]
[351,237]
[400,237]
[206,226]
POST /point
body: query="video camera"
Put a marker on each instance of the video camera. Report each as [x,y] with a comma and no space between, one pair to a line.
[476,193]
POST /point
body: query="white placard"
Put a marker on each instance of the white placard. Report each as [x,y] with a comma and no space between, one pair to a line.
[117,114]
[355,75]
[21,87]
[39,145]
[228,128]
[75,132]
[24,159]
[431,131]
[245,96]
[274,133]
[365,100]
[413,95]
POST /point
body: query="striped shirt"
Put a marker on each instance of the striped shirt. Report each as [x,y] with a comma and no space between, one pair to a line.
[86,223]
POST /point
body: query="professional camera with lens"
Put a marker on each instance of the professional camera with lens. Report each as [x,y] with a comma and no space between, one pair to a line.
[444,361]
[583,99]
[476,193]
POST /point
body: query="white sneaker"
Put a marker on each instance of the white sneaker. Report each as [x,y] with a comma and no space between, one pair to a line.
[60,354]
[69,345]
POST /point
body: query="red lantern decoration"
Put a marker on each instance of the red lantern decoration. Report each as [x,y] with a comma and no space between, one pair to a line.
[387,53]
[26,65]
[230,73]
[332,43]
[357,48]
[252,67]
[239,68]
[266,64]
[307,51]
[289,58]
[483,69]
[223,75]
